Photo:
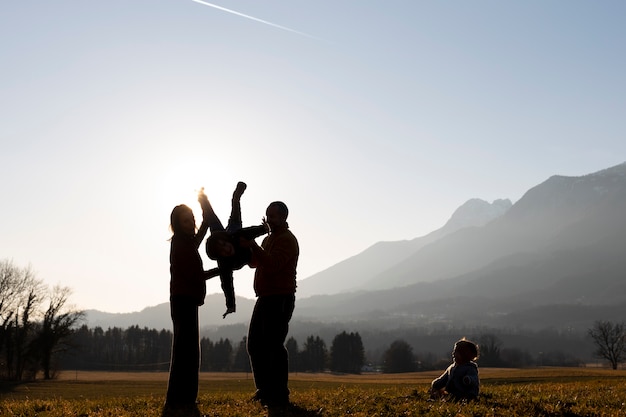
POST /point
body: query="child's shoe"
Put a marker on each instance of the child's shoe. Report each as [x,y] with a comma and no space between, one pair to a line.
[228,311]
[241,187]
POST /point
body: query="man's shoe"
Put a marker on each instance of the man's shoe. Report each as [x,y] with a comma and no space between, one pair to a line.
[257,397]
[277,410]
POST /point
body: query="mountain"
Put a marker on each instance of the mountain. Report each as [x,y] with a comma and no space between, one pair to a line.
[474,212]
[562,212]
[365,266]
[561,244]
[158,317]
[554,258]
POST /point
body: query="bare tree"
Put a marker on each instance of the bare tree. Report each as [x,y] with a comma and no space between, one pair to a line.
[56,327]
[11,285]
[610,341]
[8,288]
[20,296]
[24,330]
[29,336]
[490,345]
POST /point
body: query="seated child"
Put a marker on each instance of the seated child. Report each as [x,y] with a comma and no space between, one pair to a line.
[460,381]
[223,245]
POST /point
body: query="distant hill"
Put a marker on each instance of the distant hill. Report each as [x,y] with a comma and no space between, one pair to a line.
[560,214]
[158,317]
[474,212]
[352,273]
[561,244]
[555,258]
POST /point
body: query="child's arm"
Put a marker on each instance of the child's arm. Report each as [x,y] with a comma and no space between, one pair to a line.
[471,379]
[471,382]
[252,232]
[253,246]
[211,273]
[439,384]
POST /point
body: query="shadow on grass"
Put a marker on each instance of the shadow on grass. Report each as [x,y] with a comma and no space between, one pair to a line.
[8,386]
[292,410]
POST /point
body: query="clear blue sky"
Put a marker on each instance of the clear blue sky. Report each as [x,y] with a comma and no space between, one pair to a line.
[372,120]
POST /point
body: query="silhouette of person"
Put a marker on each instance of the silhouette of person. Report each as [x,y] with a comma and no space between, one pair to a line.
[275,286]
[460,380]
[187,292]
[223,245]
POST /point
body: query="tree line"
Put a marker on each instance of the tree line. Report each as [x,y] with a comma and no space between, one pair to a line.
[142,349]
[41,333]
[36,323]
[137,349]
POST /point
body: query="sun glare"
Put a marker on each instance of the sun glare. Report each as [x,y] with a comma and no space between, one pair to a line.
[182,181]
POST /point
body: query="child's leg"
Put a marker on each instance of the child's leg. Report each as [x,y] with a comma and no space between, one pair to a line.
[234,222]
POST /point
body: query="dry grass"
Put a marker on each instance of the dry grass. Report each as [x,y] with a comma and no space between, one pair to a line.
[571,392]
[486,374]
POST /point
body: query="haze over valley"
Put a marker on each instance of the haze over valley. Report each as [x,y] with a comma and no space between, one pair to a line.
[554,259]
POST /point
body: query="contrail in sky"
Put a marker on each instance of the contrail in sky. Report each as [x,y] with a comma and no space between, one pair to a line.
[253,18]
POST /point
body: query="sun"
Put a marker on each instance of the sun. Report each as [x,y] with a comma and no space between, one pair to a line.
[181,182]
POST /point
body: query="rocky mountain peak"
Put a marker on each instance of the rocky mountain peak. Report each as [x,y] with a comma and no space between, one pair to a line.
[477,212]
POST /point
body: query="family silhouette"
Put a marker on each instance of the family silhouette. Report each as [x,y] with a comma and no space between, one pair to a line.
[275,262]
[232,247]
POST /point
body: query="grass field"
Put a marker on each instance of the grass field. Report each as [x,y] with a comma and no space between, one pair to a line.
[551,392]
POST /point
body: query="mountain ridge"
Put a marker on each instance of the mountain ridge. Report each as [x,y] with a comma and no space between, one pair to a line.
[559,248]
[377,258]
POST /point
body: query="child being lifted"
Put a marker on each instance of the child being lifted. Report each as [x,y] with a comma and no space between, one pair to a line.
[223,245]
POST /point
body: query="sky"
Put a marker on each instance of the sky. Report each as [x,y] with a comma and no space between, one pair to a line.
[372,120]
